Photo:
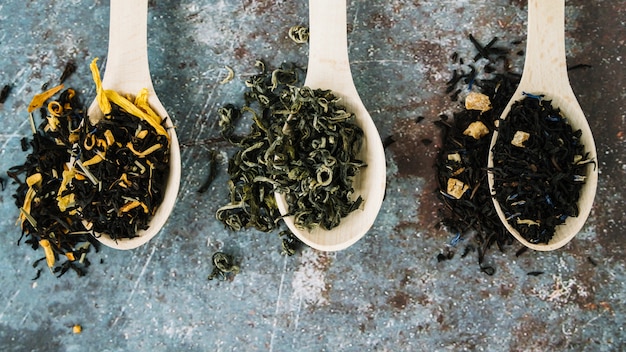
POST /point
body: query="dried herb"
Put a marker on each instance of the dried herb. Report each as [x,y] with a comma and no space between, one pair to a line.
[315,159]
[70,68]
[81,179]
[539,168]
[129,160]
[24,144]
[299,34]
[229,77]
[461,163]
[60,233]
[301,143]
[252,202]
[224,266]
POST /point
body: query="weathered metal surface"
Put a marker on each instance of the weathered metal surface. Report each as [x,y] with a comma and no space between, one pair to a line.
[387,292]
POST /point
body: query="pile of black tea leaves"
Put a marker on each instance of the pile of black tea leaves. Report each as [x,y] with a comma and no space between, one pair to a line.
[302,143]
[485,85]
[539,167]
[80,180]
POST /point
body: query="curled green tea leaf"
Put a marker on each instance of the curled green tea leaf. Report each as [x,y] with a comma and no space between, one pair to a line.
[224,266]
[299,34]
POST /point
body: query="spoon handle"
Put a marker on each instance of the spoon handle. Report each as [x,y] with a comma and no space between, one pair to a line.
[545,61]
[328,46]
[127,69]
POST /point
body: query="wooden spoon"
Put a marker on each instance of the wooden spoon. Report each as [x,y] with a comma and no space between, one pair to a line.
[127,72]
[329,68]
[545,72]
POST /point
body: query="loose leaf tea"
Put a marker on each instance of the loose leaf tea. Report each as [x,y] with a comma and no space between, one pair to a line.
[223,266]
[4,93]
[83,180]
[60,233]
[314,161]
[70,68]
[539,167]
[302,143]
[468,210]
[299,34]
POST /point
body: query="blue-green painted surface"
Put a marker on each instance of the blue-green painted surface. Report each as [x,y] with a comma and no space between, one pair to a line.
[388,292]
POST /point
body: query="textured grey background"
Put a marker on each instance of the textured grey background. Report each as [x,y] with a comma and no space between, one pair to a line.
[388,292]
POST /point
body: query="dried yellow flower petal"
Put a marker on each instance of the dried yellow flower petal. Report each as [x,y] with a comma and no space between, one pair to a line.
[103,102]
[96,159]
[124,181]
[89,142]
[25,209]
[47,249]
[40,99]
[66,201]
[130,108]
[108,135]
[34,179]
[142,134]
[141,101]
[132,205]
[53,123]
[74,137]
[67,176]
[153,148]
[458,171]
[55,109]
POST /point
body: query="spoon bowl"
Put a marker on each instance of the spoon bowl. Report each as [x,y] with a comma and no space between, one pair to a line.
[545,73]
[127,72]
[329,68]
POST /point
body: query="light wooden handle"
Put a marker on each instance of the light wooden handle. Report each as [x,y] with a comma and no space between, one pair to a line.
[127,69]
[328,43]
[545,61]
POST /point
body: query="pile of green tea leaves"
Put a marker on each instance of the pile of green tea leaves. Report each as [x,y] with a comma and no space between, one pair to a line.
[302,143]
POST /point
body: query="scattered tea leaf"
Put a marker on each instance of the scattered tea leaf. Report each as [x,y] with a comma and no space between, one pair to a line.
[223,266]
